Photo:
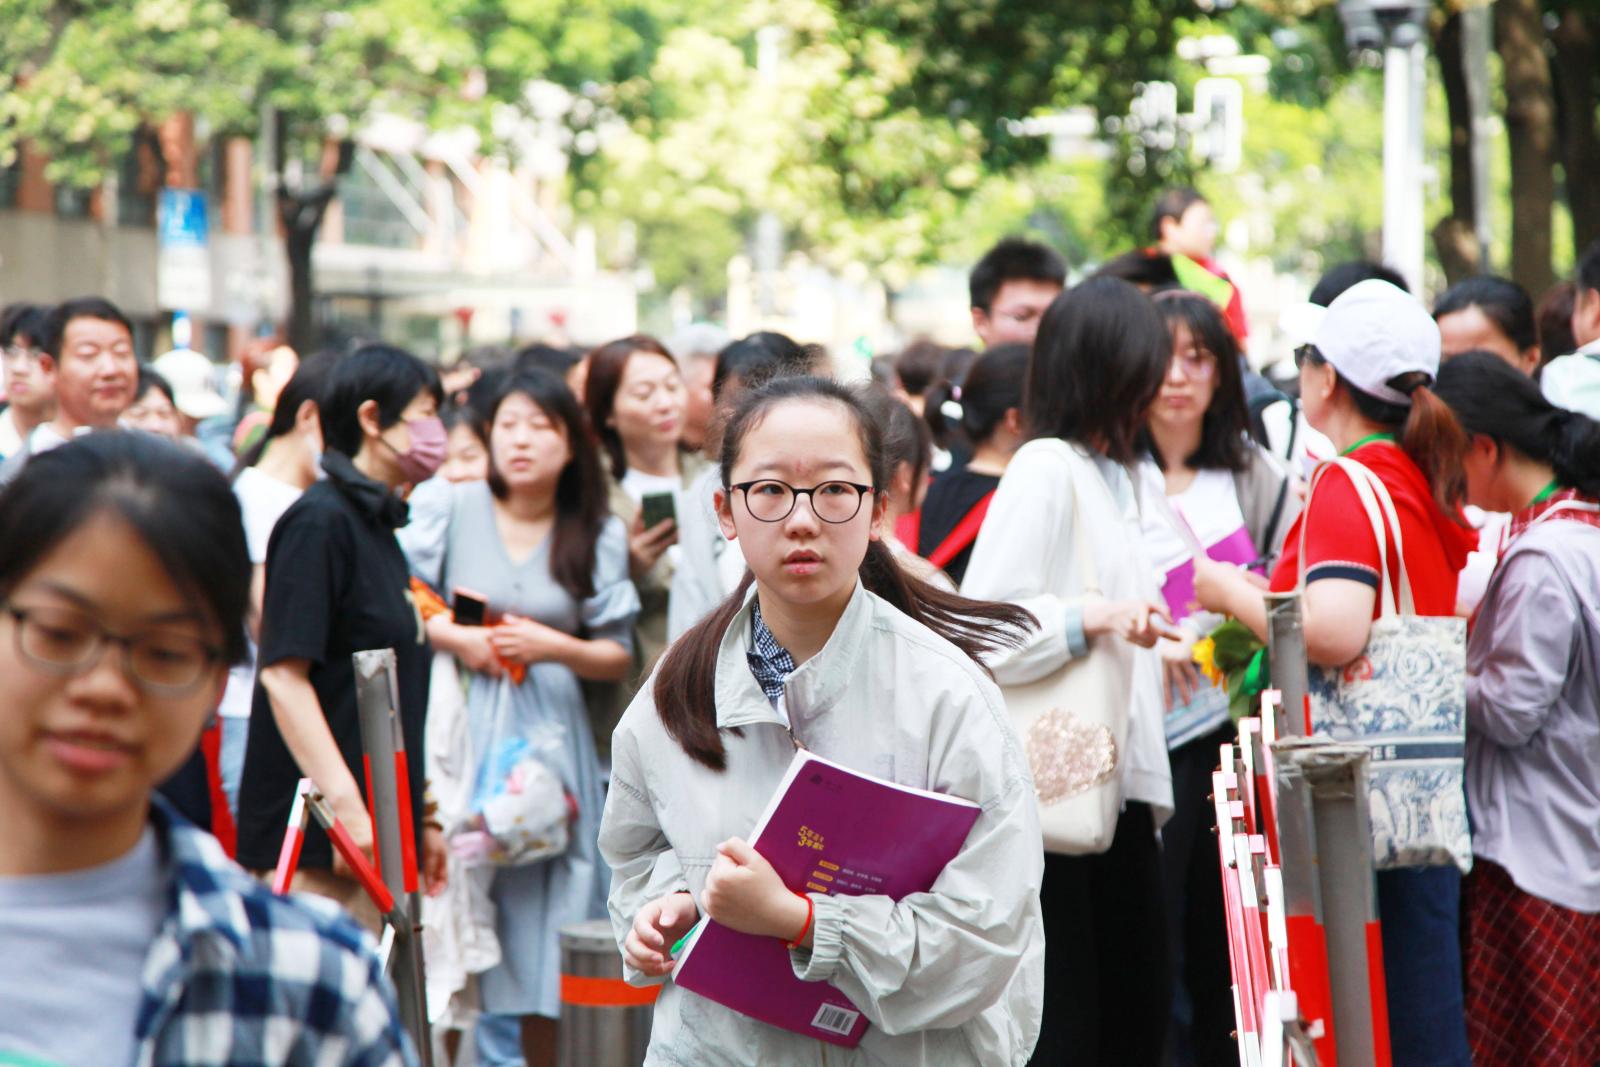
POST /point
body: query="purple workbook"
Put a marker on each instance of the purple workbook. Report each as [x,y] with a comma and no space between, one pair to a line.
[831,830]
[1179,587]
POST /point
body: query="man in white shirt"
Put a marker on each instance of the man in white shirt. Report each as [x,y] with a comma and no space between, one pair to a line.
[1573,382]
[88,347]
[29,388]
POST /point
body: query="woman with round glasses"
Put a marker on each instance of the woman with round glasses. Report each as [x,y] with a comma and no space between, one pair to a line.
[1226,495]
[830,645]
[127,935]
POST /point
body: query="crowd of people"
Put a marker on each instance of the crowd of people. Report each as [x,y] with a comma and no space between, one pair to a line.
[623,585]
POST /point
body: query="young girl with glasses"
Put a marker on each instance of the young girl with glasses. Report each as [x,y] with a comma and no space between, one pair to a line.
[830,645]
[126,935]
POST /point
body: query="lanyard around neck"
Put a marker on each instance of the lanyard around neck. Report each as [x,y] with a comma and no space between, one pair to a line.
[1367,440]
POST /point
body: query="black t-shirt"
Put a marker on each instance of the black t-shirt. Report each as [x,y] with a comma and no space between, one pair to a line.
[336,583]
[950,497]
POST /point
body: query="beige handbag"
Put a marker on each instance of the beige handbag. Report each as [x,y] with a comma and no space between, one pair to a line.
[1073,723]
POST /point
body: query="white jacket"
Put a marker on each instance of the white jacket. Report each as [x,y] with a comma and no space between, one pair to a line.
[1025,555]
[947,978]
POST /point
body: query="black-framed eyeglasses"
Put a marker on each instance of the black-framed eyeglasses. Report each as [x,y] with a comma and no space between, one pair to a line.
[1307,354]
[64,642]
[770,500]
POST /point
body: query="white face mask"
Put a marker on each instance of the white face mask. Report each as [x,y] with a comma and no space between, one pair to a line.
[316,458]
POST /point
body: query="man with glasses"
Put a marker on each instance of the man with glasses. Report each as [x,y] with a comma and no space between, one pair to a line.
[29,387]
[87,346]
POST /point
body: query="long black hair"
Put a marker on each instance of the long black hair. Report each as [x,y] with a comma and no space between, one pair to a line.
[581,502]
[1493,398]
[1501,300]
[1097,363]
[179,504]
[685,685]
[1227,419]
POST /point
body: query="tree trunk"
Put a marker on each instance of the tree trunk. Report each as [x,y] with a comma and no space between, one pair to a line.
[1531,132]
[301,214]
[1577,71]
[299,235]
[1455,236]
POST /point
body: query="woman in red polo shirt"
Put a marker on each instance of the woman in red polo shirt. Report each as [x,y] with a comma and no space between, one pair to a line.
[1364,383]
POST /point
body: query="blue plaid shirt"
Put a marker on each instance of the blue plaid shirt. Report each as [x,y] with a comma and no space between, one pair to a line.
[238,976]
[769,661]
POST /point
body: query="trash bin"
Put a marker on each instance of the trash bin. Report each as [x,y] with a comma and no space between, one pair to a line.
[605,1022]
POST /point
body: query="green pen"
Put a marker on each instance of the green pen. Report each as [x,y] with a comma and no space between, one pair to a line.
[677,946]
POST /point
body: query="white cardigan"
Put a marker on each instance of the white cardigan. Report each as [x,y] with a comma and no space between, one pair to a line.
[1030,521]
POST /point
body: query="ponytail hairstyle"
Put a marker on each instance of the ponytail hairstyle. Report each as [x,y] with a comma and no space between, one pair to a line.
[1493,398]
[992,386]
[1427,431]
[948,390]
[305,384]
[685,683]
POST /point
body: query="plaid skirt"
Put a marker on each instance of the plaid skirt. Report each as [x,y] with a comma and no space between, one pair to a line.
[1532,974]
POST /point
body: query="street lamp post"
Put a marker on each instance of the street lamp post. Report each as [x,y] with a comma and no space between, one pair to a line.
[1399,29]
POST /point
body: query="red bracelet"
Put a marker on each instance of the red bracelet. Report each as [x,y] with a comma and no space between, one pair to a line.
[810,914]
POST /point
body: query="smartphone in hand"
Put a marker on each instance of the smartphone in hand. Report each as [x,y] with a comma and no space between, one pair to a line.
[469,608]
[656,508]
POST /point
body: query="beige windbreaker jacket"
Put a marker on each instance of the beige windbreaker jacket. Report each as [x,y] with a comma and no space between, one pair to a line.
[947,978]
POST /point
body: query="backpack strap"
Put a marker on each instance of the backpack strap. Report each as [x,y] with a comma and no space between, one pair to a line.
[964,533]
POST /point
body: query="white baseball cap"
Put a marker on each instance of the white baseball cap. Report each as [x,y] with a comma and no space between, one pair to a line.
[190,374]
[1373,333]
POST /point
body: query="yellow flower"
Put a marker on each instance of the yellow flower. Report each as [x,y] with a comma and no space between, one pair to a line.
[1205,654]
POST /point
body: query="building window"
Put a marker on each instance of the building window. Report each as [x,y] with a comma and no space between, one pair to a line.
[138,178]
[72,202]
[10,180]
[370,215]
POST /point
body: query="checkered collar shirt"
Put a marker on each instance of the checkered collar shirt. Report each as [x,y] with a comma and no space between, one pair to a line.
[239,975]
[769,661]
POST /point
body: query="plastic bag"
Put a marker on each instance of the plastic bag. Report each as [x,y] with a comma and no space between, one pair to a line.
[519,810]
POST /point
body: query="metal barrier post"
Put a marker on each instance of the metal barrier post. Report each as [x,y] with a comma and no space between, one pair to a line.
[393,833]
[1286,662]
[1323,790]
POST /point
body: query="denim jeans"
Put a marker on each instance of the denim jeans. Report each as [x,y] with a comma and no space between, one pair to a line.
[1420,908]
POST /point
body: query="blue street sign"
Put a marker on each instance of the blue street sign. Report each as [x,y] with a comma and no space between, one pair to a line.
[183,218]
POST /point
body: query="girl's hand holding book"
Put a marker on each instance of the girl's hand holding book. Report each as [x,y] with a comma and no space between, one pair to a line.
[744,893]
[658,924]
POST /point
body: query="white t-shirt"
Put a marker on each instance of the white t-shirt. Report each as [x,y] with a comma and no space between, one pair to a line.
[262,501]
[1474,580]
[74,947]
[638,485]
[1210,508]
[10,440]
